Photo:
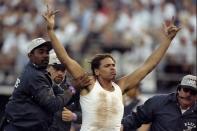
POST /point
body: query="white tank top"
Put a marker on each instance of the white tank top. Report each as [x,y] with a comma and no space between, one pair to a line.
[102,110]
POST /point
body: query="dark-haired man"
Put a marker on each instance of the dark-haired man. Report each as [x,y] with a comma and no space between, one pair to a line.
[101,102]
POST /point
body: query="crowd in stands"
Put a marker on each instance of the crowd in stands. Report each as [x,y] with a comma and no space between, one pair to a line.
[129,29]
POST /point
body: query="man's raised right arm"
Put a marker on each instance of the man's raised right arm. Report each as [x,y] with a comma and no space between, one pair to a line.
[71,65]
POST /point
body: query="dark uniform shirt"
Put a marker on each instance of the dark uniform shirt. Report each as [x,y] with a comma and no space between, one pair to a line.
[33,102]
[73,105]
[164,114]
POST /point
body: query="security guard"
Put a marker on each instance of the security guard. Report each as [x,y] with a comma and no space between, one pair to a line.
[168,112]
[33,103]
[72,112]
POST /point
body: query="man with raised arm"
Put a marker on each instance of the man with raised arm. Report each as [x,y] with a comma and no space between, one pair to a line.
[101,102]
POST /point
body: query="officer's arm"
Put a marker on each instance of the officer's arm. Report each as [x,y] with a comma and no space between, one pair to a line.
[57,90]
[78,118]
[77,111]
[76,108]
[143,115]
[42,93]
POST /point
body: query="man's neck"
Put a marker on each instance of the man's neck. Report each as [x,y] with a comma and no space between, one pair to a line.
[107,85]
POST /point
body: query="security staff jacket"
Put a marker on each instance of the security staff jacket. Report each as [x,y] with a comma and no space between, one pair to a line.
[33,103]
[73,105]
[164,114]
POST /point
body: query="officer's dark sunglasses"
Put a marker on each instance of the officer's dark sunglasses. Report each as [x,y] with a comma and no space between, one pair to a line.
[192,92]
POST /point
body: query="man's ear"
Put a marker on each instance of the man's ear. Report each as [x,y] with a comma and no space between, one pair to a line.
[29,55]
